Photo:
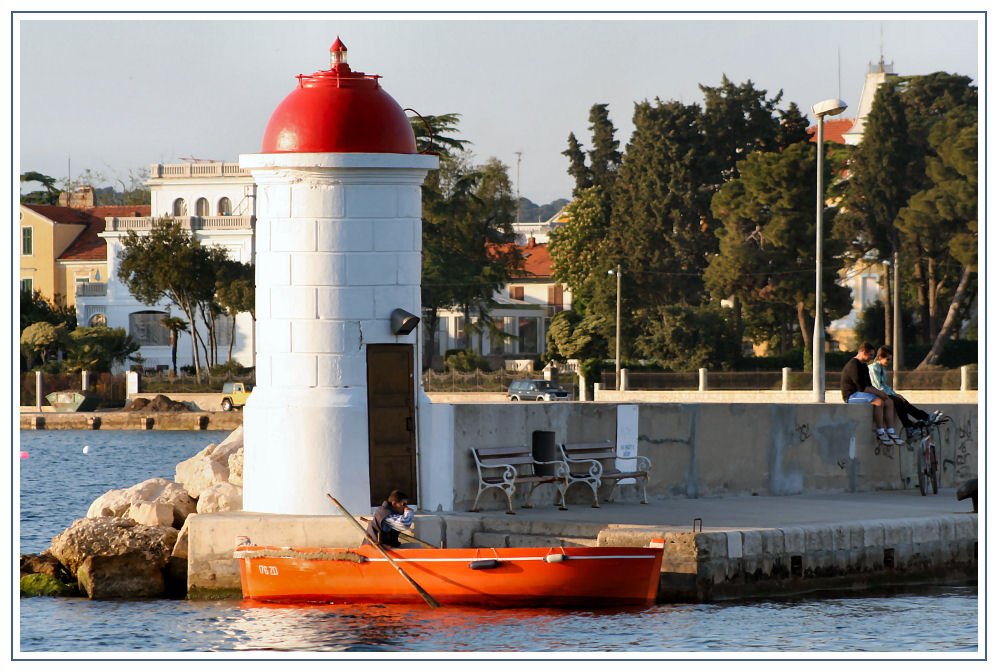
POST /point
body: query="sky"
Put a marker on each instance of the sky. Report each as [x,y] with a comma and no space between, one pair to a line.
[115,93]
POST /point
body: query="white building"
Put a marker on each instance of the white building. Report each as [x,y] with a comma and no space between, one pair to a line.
[215,201]
[523,308]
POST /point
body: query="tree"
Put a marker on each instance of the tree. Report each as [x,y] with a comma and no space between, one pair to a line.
[36,308]
[235,291]
[578,247]
[41,341]
[169,264]
[879,186]
[99,348]
[943,218]
[767,243]
[468,250]
[50,195]
[690,337]
[175,325]
[604,157]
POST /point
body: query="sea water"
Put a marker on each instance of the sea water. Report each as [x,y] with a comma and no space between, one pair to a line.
[58,481]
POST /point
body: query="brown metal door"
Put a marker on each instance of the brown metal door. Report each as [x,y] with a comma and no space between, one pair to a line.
[391,420]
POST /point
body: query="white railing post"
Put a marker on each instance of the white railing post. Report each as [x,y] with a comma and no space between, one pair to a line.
[703,380]
[964,377]
[131,382]
[84,380]
[596,390]
[39,391]
[786,378]
[582,387]
[623,379]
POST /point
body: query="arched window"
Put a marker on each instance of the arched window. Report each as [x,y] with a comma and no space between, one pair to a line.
[201,207]
[98,320]
[180,208]
[224,206]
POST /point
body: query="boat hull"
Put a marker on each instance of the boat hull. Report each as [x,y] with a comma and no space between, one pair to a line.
[576,576]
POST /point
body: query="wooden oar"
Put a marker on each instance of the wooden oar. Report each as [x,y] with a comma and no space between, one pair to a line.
[419,589]
[406,536]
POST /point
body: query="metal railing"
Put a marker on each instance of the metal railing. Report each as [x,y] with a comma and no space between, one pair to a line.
[962,379]
[91,289]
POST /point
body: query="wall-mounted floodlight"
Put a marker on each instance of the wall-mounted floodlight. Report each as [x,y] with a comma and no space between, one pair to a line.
[403,322]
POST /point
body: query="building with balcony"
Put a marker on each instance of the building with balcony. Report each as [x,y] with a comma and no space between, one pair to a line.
[61,252]
[215,202]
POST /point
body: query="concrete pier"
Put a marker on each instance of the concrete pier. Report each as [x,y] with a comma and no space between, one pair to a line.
[716,548]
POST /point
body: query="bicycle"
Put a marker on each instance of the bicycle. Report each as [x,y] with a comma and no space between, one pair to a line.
[926,455]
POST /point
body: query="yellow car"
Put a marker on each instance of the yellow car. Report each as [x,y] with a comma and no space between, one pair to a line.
[235,395]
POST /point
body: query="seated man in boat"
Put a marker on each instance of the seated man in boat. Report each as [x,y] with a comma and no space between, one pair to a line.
[391,518]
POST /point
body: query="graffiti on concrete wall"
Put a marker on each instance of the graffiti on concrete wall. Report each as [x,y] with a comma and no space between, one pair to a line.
[961,436]
[803,432]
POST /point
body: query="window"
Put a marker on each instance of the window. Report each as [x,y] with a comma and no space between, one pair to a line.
[224,206]
[201,207]
[528,335]
[556,297]
[500,342]
[147,328]
[26,246]
[180,208]
[223,330]
[443,335]
[27,285]
[98,320]
[459,341]
[516,293]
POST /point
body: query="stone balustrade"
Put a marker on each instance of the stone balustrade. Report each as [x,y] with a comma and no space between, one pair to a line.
[192,223]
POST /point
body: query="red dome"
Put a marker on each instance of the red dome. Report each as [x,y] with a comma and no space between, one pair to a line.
[338,110]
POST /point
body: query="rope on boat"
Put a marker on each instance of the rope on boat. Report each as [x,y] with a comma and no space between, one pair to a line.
[348,556]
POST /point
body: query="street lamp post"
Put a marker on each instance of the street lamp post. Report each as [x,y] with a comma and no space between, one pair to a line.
[616,271]
[825,108]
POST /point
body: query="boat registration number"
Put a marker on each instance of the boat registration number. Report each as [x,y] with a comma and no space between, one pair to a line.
[269,570]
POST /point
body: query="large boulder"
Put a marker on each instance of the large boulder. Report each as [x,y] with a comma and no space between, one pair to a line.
[213,465]
[221,497]
[119,503]
[115,557]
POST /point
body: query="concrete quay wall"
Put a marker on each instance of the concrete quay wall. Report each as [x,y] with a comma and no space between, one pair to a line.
[192,420]
[696,450]
[793,560]
[697,566]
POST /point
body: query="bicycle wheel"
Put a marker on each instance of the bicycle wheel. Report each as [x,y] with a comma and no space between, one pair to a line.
[933,470]
[922,469]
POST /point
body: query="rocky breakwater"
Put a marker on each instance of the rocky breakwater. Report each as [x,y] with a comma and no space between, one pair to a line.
[133,541]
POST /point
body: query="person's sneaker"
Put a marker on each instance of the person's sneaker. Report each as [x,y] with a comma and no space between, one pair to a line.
[884,438]
[898,441]
[935,417]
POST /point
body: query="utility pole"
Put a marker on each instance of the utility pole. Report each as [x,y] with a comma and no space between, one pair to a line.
[519,157]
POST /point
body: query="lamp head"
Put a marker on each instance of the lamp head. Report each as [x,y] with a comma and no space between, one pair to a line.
[829,107]
[403,322]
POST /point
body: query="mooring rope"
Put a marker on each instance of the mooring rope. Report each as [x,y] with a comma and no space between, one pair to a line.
[348,556]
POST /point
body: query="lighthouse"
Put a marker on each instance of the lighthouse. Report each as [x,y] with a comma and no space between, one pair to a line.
[338,264]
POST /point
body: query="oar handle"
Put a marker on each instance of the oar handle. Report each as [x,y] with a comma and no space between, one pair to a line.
[419,589]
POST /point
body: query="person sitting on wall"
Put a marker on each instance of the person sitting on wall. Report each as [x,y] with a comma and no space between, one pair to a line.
[857,388]
[903,408]
[391,518]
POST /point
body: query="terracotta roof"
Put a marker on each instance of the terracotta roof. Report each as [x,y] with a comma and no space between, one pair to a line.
[536,260]
[835,130]
[88,245]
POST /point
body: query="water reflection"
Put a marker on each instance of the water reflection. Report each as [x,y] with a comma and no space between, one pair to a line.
[347,627]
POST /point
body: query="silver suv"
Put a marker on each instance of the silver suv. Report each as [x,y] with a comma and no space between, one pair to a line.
[536,390]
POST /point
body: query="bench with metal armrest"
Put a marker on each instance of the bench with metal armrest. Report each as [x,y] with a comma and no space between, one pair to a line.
[595,463]
[507,467]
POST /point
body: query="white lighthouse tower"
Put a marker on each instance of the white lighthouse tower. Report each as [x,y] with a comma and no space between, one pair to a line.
[338,260]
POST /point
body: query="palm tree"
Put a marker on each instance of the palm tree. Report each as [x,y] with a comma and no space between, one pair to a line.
[175,325]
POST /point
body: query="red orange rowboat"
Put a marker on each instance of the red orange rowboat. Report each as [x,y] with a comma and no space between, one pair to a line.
[494,577]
